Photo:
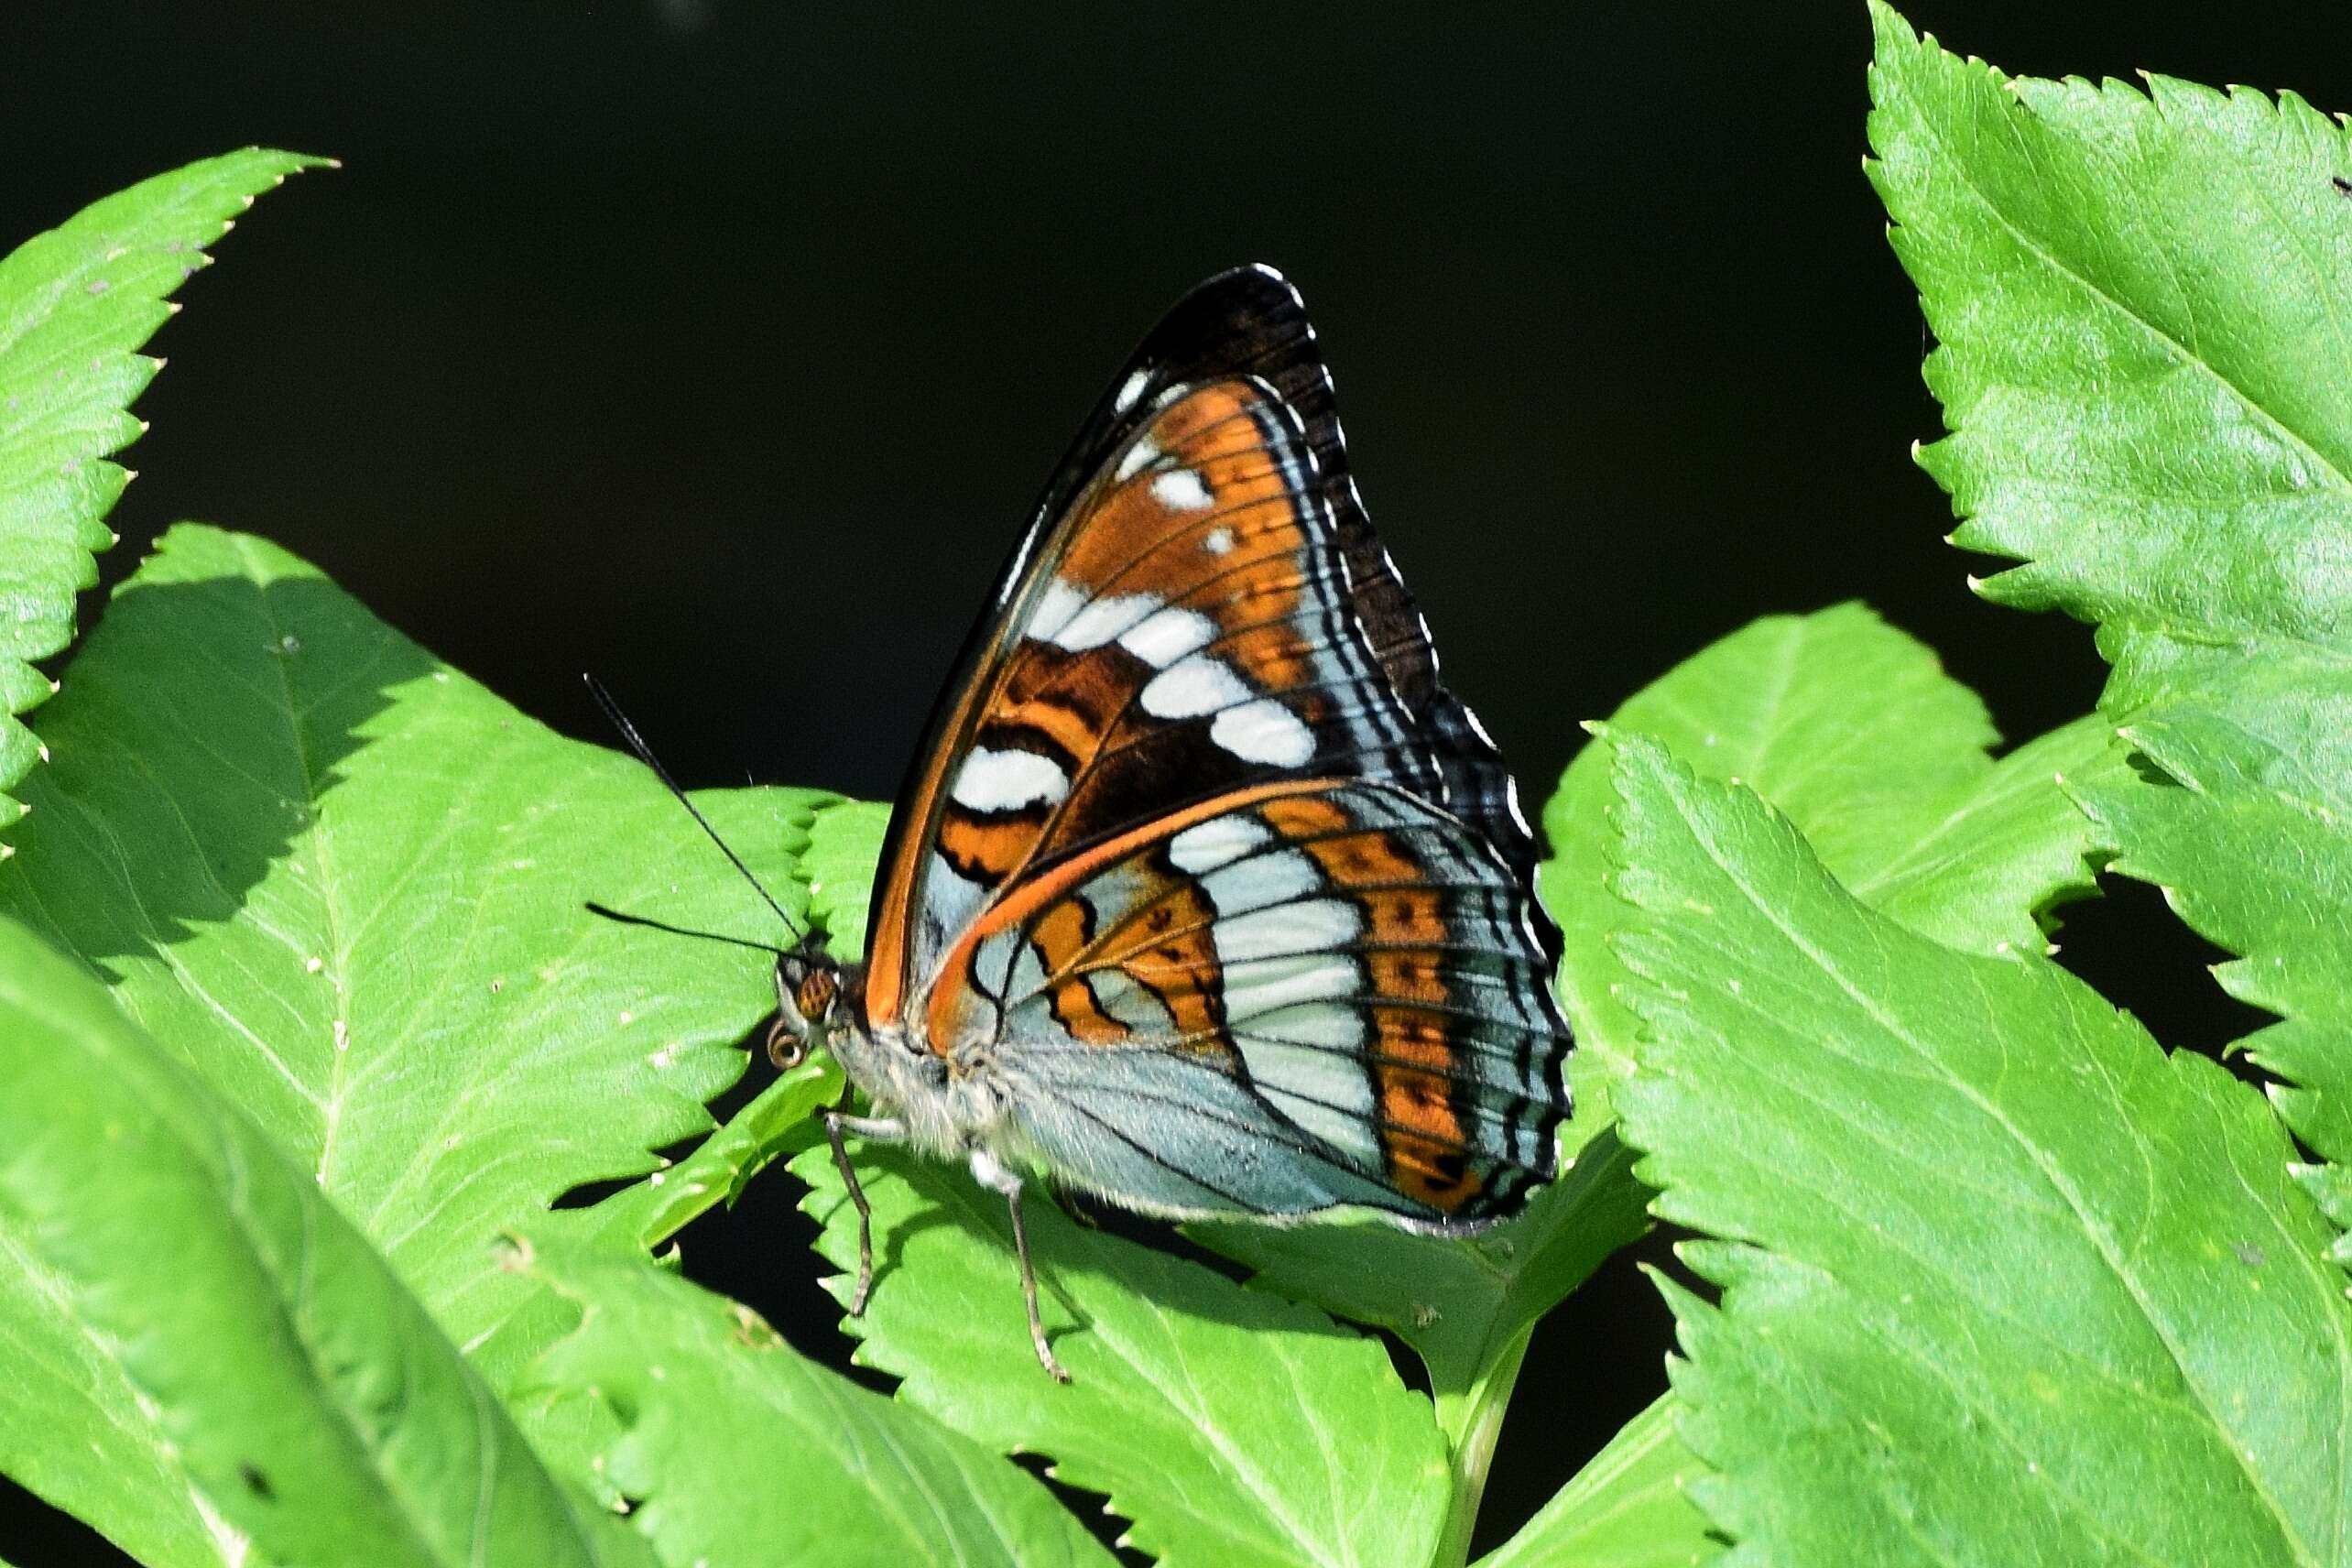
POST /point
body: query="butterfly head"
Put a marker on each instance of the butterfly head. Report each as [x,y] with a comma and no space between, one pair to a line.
[811,1004]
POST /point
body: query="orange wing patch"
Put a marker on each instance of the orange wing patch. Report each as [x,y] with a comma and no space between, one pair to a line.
[1421,1132]
[1414,1060]
[1208,522]
[1059,934]
[1179,963]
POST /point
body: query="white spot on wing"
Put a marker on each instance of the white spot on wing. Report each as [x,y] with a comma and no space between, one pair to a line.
[1263,731]
[1204,847]
[1352,1133]
[1140,456]
[1338,1028]
[1285,930]
[1261,881]
[1104,620]
[1006,781]
[1059,603]
[1192,687]
[1219,541]
[1300,1067]
[1162,638]
[1256,990]
[1130,389]
[1183,490]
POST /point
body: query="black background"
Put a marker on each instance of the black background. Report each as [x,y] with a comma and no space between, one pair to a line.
[719,346]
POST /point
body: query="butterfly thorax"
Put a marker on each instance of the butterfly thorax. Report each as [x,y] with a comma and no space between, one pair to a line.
[951,1101]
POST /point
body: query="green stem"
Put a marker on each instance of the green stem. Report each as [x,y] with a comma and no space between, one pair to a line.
[667,1201]
[1471,1419]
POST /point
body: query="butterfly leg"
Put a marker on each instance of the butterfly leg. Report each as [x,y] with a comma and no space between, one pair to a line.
[881,1129]
[990,1174]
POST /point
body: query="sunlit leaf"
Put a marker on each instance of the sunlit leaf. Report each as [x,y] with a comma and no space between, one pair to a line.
[2143,299]
[1992,1263]
[1231,1428]
[348,888]
[707,1393]
[75,305]
[260,1374]
[1854,731]
[1628,1507]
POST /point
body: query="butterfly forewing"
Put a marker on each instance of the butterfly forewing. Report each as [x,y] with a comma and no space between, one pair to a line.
[1201,635]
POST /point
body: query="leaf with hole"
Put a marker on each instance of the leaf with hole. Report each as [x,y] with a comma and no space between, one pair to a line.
[2144,302]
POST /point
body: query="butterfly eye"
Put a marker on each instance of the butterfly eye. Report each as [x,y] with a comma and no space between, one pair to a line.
[815,996]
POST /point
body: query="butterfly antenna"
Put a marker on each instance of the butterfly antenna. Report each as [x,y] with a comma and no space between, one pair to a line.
[644,755]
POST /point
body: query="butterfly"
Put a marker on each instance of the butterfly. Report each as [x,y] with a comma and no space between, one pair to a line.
[1203,895]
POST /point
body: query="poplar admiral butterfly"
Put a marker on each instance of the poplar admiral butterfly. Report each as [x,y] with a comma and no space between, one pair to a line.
[1203,895]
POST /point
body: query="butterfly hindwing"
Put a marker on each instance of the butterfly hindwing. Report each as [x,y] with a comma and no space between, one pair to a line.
[1297,995]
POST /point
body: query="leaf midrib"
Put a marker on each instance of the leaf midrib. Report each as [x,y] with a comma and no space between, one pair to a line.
[337,962]
[327,1397]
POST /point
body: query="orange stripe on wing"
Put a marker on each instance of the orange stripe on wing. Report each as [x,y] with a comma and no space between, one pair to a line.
[1421,1134]
[1421,1131]
[1181,967]
[1028,898]
[1058,936]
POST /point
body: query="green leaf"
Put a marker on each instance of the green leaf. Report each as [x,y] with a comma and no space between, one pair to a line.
[348,886]
[1852,730]
[2002,1283]
[2143,302]
[1852,724]
[268,1377]
[844,846]
[1852,727]
[75,305]
[706,1392]
[782,1117]
[1466,1307]
[1231,1428]
[2251,839]
[1629,1508]
[1986,866]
